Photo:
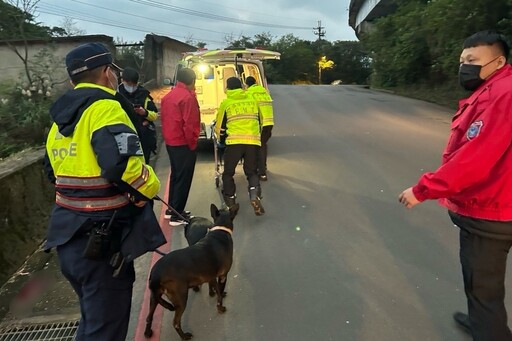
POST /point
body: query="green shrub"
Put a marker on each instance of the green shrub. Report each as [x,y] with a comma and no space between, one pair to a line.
[24,117]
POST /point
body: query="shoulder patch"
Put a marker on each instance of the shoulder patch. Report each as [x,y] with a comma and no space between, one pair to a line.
[474,129]
[128,144]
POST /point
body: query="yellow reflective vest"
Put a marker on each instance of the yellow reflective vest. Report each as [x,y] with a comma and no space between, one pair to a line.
[241,117]
[79,182]
[260,94]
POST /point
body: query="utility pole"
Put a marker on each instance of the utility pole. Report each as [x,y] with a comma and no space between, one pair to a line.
[319,31]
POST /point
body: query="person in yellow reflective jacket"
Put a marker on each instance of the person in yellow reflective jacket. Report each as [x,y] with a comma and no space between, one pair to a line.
[101,220]
[261,95]
[238,127]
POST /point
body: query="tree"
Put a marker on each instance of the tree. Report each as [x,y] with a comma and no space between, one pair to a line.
[298,61]
[200,44]
[242,42]
[263,40]
[352,64]
[130,54]
[449,22]
[398,46]
[421,42]
[70,27]
[17,22]
[194,42]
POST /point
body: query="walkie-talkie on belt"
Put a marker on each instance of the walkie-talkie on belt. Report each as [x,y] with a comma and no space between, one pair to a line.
[99,241]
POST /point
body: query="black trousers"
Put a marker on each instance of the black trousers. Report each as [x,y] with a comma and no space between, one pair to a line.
[105,301]
[232,155]
[183,163]
[266,133]
[484,262]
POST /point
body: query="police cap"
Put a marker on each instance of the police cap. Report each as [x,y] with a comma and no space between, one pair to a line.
[233,83]
[87,57]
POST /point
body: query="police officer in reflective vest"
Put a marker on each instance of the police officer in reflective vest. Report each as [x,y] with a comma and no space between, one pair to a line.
[238,126]
[261,95]
[100,221]
[143,105]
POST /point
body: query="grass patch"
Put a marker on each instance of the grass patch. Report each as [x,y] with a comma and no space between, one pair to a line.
[447,95]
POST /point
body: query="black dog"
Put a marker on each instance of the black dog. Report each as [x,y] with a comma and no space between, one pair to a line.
[207,261]
[196,230]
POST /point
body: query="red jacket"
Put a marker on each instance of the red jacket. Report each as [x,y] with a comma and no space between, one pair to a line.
[475,176]
[181,120]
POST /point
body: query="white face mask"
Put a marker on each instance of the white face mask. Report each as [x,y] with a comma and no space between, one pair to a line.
[130,88]
[112,86]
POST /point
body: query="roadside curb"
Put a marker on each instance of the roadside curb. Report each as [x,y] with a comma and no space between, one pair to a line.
[382,90]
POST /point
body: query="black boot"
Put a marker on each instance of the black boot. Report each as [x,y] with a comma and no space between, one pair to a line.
[255,197]
[229,200]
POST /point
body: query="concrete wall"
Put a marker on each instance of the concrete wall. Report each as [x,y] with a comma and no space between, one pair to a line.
[172,54]
[161,55]
[11,66]
[26,201]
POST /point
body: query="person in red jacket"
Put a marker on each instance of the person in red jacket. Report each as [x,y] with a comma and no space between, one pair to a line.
[180,128]
[474,182]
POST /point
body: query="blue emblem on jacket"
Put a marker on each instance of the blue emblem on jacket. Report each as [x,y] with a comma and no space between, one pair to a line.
[474,129]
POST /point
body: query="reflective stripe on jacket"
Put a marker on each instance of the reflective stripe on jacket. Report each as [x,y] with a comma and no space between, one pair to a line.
[84,180]
[242,118]
[260,94]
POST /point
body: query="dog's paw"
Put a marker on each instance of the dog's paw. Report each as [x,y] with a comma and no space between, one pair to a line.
[187,336]
[211,293]
[221,309]
[148,333]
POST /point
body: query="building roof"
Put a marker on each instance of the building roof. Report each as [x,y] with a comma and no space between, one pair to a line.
[86,38]
[160,39]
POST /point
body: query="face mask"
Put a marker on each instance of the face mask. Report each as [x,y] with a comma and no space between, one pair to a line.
[469,75]
[112,86]
[130,88]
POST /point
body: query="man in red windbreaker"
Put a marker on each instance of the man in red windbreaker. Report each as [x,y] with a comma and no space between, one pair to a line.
[474,182]
[180,127]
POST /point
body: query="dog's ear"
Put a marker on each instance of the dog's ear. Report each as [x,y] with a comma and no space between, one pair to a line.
[214,211]
[233,211]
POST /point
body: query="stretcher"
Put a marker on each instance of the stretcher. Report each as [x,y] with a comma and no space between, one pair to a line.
[218,152]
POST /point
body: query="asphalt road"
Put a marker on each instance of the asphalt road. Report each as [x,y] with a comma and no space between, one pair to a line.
[336,257]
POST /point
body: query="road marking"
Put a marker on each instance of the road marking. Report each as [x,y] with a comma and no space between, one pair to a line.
[158,316]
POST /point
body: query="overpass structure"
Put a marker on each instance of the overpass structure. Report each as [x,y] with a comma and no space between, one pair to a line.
[363,12]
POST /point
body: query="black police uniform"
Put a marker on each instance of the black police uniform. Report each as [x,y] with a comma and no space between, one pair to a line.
[145,128]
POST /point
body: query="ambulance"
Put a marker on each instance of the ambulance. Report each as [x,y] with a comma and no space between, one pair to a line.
[213,68]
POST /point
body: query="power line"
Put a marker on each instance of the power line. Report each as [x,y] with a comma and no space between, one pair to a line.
[152,19]
[245,11]
[106,22]
[205,15]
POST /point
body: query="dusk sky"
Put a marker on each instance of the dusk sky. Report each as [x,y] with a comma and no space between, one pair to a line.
[197,20]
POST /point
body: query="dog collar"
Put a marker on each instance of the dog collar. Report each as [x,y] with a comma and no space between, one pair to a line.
[221,228]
